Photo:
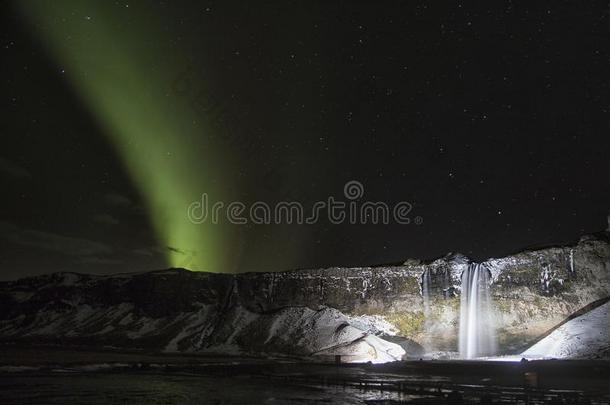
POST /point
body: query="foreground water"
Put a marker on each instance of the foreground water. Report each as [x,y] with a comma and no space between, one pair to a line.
[46,376]
[120,388]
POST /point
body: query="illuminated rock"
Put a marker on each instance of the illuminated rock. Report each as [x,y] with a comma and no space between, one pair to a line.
[304,312]
[584,337]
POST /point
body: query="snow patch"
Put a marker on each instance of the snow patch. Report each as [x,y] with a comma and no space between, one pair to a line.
[584,337]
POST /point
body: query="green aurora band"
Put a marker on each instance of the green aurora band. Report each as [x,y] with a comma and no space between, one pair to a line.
[124,76]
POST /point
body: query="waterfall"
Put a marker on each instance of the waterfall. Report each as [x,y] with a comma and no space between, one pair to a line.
[477,330]
[425,292]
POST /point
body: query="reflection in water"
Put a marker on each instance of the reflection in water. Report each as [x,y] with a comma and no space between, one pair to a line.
[101,388]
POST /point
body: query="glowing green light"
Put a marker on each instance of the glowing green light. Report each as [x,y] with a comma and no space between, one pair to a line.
[124,73]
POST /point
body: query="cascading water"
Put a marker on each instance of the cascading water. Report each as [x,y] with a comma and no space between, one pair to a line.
[477,329]
[425,292]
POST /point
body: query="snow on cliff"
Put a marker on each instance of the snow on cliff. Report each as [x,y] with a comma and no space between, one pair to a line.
[584,337]
[142,311]
[365,314]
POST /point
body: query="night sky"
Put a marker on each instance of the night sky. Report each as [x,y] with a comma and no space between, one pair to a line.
[492,120]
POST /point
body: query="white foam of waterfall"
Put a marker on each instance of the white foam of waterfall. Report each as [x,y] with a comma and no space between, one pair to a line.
[477,327]
[425,291]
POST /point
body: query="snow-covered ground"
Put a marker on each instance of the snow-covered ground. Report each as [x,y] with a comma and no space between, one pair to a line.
[584,337]
[325,332]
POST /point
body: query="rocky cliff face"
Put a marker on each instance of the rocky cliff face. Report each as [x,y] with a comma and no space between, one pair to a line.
[362,313]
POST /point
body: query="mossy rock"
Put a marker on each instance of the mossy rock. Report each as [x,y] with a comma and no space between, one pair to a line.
[408,323]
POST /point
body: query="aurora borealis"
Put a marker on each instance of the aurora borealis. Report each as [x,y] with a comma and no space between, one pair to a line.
[490,122]
[110,64]
[211,193]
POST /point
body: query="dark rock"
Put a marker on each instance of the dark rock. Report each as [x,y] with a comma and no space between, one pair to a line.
[301,311]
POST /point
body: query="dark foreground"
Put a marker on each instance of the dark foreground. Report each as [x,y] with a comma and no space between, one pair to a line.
[29,376]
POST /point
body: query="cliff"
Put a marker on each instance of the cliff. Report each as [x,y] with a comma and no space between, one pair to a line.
[364,314]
